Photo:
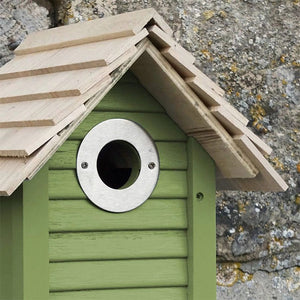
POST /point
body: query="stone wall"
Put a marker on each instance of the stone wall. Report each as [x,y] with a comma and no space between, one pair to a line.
[17,19]
[251,48]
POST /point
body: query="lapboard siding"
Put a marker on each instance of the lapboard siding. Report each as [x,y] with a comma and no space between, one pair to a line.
[141,254]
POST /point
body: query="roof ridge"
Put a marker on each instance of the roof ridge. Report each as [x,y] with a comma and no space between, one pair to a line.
[116,26]
[207,116]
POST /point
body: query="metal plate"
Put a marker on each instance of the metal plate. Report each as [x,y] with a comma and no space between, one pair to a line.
[117,200]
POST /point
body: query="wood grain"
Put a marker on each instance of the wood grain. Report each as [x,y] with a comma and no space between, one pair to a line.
[62,84]
[172,155]
[84,56]
[174,293]
[63,184]
[152,123]
[162,40]
[210,98]
[71,216]
[186,69]
[118,274]
[235,127]
[195,119]
[210,93]
[267,180]
[46,112]
[117,245]
[13,171]
[127,24]
[90,105]
[23,141]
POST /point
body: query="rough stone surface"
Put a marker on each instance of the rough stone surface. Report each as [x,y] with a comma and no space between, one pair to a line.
[251,48]
[235,284]
[17,19]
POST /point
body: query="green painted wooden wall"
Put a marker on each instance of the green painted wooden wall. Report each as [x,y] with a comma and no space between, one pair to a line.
[163,250]
[24,241]
[141,254]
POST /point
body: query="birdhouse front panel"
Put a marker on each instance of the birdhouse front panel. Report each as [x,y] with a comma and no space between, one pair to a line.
[125,207]
[145,249]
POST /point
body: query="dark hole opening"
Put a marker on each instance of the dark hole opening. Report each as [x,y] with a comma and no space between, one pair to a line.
[118,164]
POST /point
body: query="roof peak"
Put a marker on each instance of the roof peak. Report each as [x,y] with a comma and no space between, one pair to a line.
[111,27]
[59,75]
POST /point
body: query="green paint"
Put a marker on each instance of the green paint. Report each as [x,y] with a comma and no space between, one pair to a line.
[172,156]
[69,276]
[201,224]
[24,241]
[82,215]
[128,77]
[11,241]
[137,100]
[63,184]
[117,245]
[124,294]
[35,238]
[145,248]
[94,249]
[158,125]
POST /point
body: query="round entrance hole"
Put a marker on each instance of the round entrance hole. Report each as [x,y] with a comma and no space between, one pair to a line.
[118,164]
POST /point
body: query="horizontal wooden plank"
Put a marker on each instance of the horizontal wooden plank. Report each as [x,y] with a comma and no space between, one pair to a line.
[23,141]
[234,127]
[118,274]
[112,27]
[45,112]
[129,97]
[159,126]
[162,40]
[195,119]
[61,84]
[82,215]
[172,155]
[175,293]
[267,180]
[14,171]
[117,245]
[85,56]
[63,184]
[90,105]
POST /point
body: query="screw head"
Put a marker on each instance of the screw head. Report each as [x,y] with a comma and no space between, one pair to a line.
[151,165]
[199,196]
[84,165]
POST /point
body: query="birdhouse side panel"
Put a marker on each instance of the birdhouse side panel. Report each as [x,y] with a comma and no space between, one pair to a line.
[139,254]
[24,258]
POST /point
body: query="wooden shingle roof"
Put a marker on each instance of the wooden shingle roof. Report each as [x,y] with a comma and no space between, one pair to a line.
[60,74]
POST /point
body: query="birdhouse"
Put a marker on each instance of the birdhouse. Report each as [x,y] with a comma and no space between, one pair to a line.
[112,146]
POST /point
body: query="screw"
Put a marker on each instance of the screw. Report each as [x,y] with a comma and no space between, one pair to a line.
[84,165]
[199,196]
[151,165]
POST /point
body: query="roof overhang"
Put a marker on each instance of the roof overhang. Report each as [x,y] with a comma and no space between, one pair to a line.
[163,67]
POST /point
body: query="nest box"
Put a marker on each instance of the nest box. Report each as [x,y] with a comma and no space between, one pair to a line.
[124,142]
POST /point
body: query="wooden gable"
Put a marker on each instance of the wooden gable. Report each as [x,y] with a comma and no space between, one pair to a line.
[50,87]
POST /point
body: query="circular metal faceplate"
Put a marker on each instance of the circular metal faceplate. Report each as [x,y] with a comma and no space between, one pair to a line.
[105,197]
